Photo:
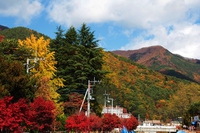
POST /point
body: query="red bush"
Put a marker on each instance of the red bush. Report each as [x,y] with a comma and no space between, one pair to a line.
[77,123]
[109,122]
[130,123]
[41,114]
[95,123]
[12,115]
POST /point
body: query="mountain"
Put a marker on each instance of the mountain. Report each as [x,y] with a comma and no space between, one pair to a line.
[20,33]
[165,62]
[145,92]
[3,27]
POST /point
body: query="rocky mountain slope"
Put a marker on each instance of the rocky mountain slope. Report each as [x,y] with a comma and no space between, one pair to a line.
[162,60]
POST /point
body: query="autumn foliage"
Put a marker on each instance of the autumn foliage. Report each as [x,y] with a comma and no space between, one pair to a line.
[73,103]
[1,38]
[42,115]
[81,123]
[110,122]
[130,123]
[95,123]
[77,123]
[12,114]
[19,116]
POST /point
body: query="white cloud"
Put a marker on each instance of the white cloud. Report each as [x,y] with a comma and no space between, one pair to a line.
[170,23]
[130,13]
[128,32]
[77,12]
[23,10]
[183,40]
[101,42]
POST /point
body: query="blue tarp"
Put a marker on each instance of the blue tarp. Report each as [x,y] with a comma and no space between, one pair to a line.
[124,130]
[193,123]
[181,131]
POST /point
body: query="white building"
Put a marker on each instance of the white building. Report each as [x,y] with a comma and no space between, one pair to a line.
[116,110]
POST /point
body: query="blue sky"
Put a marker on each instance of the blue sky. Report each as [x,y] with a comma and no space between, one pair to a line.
[118,24]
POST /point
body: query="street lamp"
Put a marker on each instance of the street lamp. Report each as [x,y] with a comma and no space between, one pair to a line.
[111,104]
[105,100]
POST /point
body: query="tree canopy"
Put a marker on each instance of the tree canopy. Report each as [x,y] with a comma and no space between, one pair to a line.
[79,59]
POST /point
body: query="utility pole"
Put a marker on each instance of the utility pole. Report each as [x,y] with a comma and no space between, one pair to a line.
[139,118]
[105,98]
[35,60]
[88,92]
[89,96]
[88,104]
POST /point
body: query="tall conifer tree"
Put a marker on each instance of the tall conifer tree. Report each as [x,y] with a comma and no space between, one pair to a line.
[92,54]
[79,59]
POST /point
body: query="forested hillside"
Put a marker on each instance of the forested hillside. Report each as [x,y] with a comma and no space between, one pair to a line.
[160,59]
[3,27]
[146,92]
[20,33]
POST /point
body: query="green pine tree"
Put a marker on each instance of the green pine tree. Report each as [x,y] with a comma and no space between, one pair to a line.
[79,59]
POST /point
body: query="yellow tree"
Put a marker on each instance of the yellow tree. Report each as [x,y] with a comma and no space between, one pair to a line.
[44,69]
[183,98]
